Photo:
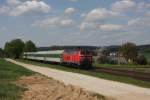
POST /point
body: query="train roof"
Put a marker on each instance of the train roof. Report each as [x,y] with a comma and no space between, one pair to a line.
[46,52]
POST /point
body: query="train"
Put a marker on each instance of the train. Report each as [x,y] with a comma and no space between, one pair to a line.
[76,57]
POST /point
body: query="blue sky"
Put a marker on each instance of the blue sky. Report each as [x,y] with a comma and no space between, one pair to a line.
[75,22]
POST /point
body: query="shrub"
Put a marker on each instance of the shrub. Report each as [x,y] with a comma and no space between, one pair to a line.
[142,60]
[113,62]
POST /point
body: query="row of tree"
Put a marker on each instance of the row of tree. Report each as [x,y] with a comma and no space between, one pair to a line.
[16,47]
[128,51]
[131,54]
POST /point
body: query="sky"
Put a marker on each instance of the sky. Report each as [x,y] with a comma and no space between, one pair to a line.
[75,22]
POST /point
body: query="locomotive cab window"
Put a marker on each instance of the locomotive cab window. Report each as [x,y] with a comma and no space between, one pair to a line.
[85,52]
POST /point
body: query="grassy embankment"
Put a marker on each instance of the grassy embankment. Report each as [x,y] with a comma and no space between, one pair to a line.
[99,75]
[120,66]
[137,68]
[9,73]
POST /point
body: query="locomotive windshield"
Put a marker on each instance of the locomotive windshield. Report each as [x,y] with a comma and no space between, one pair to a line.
[85,52]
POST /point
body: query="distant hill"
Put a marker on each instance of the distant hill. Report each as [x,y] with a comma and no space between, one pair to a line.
[112,48]
[144,48]
[141,48]
[66,47]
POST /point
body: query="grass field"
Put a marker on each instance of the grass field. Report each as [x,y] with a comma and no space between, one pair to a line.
[8,74]
[119,66]
[99,75]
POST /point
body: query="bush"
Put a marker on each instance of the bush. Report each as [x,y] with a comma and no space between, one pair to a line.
[113,62]
[142,60]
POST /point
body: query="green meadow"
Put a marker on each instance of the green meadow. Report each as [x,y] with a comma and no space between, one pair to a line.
[9,73]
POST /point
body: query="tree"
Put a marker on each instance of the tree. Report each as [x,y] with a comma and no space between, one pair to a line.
[14,48]
[30,46]
[141,60]
[1,53]
[129,51]
[7,49]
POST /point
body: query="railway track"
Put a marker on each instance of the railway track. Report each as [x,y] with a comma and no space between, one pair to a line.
[133,74]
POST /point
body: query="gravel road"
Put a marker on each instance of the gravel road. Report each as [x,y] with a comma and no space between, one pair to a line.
[116,90]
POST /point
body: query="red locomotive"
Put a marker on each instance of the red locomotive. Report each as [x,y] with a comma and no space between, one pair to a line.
[78,57]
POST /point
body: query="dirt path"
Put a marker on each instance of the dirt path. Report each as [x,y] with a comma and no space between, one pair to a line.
[117,90]
[42,88]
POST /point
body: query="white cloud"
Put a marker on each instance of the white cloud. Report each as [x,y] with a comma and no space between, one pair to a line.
[139,22]
[83,15]
[93,18]
[110,27]
[134,21]
[13,2]
[88,25]
[73,0]
[55,22]
[66,22]
[4,9]
[140,6]
[16,7]
[70,10]
[148,5]
[123,5]
[99,13]
[147,14]
[30,6]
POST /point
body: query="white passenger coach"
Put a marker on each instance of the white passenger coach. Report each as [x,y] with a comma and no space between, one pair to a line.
[52,56]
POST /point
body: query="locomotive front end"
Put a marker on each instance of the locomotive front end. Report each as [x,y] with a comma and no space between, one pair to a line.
[77,57]
[85,58]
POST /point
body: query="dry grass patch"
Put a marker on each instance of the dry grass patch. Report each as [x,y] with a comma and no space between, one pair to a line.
[43,88]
